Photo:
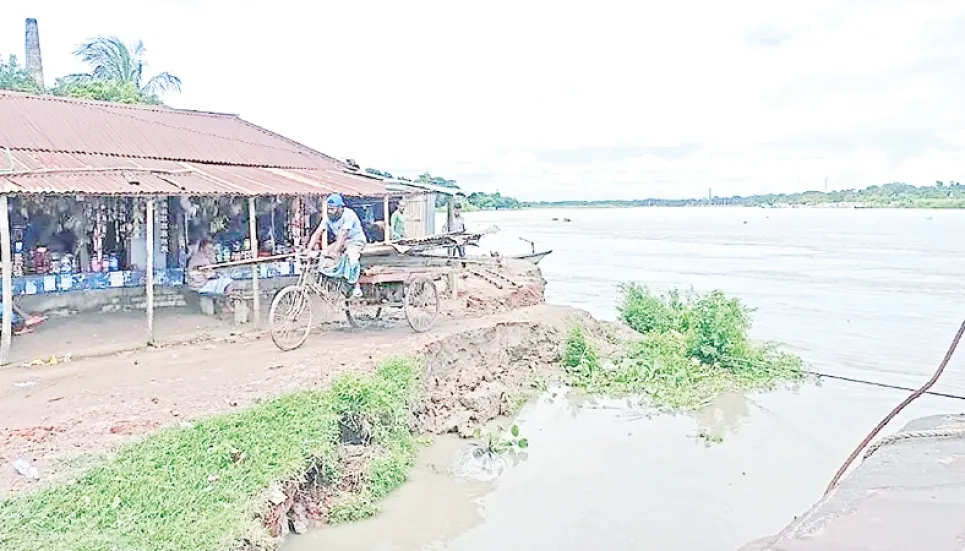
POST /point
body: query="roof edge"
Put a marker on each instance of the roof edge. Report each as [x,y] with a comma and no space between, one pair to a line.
[130,106]
[92,170]
[342,164]
[4,148]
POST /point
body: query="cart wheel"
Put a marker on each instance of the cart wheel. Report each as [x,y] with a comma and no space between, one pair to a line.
[290,317]
[421,304]
[362,313]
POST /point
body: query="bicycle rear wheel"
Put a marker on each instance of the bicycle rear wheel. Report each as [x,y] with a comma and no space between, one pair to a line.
[364,312]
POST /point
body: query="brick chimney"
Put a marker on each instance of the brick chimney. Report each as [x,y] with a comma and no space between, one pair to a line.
[35,65]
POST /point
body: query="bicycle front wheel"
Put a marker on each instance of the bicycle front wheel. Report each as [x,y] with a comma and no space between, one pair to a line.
[290,317]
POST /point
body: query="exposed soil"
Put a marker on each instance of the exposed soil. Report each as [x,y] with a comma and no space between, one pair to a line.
[475,376]
[54,416]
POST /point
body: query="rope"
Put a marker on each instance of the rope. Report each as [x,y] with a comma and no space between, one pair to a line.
[913,434]
[882,385]
[891,415]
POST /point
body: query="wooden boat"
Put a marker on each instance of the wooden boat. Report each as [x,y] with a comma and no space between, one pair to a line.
[535,258]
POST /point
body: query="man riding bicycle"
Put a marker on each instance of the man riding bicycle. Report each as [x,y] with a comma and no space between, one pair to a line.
[342,256]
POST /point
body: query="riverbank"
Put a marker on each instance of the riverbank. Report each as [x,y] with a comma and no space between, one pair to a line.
[311,446]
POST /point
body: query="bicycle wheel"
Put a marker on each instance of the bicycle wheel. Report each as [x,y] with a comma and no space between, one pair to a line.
[421,304]
[290,317]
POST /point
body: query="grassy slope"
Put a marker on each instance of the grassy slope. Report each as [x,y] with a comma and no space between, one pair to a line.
[197,488]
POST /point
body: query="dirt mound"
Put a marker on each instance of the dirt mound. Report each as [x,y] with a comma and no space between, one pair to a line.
[475,376]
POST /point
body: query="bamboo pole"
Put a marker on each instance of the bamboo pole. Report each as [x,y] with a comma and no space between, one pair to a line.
[388,220]
[5,256]
[255,284]
[150,271]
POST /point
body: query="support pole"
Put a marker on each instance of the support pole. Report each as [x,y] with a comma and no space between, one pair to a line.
[150,271]
[7,327]
[449,213]
[388,220]
[255,284]
[450,218]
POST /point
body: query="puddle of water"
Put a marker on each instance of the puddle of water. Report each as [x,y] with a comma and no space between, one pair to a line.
[432,507]
[604,474]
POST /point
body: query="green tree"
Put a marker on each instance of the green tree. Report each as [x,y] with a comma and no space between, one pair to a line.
[117,71]
[490,201]
[16,78]
[104,90]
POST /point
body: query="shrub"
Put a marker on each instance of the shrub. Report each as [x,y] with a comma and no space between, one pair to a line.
[692,347]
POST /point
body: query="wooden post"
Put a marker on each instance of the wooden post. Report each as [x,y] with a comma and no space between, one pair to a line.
[150,271]
[5,256]
[255,284]
[388,220]
[449,214]
[450,218]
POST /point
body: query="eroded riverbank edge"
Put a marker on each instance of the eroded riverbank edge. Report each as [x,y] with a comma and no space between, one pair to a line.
[469,379]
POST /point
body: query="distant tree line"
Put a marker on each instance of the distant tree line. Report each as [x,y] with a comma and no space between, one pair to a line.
[116,75]
[949,194]
[476,200]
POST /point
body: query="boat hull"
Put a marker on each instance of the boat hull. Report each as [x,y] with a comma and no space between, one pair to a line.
[535,258]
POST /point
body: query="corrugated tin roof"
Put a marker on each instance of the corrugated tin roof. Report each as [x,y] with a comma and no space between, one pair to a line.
[48,123]
[225,154]
[126,182]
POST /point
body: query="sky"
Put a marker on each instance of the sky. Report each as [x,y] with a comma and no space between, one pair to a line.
[565,100]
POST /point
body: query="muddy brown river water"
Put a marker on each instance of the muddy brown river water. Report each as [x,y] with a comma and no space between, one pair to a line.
[875,294]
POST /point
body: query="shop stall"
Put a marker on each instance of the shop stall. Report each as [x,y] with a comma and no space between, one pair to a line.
[84,246]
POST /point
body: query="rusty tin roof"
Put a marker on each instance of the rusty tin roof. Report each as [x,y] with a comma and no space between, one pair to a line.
[59,145]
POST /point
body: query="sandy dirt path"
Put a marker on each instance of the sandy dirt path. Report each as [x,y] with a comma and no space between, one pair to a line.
[51,414]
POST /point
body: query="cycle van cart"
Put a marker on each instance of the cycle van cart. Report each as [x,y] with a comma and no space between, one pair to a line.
[385,288]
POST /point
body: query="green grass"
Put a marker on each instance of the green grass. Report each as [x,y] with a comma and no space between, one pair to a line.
[692,348]
[198,488]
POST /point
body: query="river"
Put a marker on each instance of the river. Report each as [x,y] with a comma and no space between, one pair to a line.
[875,294]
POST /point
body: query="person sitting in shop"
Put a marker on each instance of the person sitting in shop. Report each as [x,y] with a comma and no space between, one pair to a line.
[203,279]
[23,322]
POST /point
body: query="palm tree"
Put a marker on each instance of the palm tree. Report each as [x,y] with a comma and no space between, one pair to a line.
[113,61]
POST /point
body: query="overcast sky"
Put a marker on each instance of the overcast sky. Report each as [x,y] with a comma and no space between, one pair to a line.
[566,100]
